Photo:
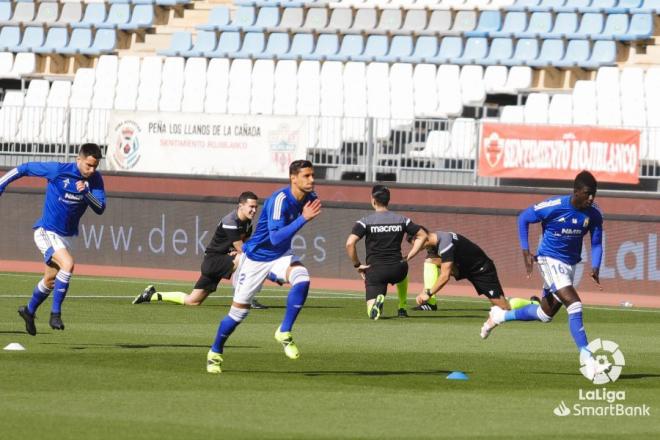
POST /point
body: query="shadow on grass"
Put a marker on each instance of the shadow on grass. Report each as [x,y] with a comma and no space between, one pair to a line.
[12,332]
[356,373]
[637,376]
[144,346]
[442,317]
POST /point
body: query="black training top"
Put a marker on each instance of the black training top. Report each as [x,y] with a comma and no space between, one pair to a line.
[467,257]
[229,230]
[384,231]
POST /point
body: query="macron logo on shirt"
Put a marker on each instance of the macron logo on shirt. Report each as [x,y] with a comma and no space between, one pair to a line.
[386,228]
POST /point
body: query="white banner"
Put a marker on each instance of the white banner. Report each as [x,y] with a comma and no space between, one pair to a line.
[193,143]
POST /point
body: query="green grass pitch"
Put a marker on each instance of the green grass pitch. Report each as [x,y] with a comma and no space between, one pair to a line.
[121,371]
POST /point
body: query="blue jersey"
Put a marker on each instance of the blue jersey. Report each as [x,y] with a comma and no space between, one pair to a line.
[64,205]
[279,221]
[564,226]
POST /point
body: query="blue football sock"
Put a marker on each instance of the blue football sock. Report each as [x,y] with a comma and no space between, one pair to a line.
[527,313]
[576,325]
[61,287]
[39,295]
[225,329]
[294,303]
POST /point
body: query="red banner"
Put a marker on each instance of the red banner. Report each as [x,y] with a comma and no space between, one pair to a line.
[558,152]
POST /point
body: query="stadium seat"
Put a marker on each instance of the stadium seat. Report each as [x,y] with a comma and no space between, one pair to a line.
[365,19]
[401,93]
[450,49]
[551,51]
[243,17]
[426,47]
[355,101]
[514,22]
[473,90]
[228,43]
[591,25]
[24,64]
[527,50]
[450,102]
[33,38]
[10,37]
[560,110]
[238,99]
[464,21]
[524,5]
[584,103]
[415,21]
[648,6]
[536,108]
[119,14]
[378,98]
[54,125]
[268,17]
[105,41]
[142,18]
[277,45]
[6,63]
[205,42]
[55,39]
[641,28]
[72,13]
[5,11]
[540,23]
[401,48]
[489,21]
[316,19]
[47,14]
[605,6]
[218,17]
[180,43]
[501,50]
[390,22]
[217,85]
[577,53]
[309,89]
[194,85]
[519,78]
[33,110]
[495,78]
[340,20]
[23,13]
[548,5]
[375,49]
[435,146]
[285,93]
[80,103]
[476,49]
[512,114]
[263,86]
[608,96]
[425,95]
[301,45]
[254,44]
[602,54]
[326,44]
[150,82]
[616,26]
[439,23]
[566,23]
[332,89]
[351,45]
[127,86]
[171,90]
[10,115]
[95,14]
[633,107]
[462,138]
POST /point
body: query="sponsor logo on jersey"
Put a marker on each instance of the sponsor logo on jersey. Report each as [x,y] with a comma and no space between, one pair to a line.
[569,231]
[75,197]
[386,228]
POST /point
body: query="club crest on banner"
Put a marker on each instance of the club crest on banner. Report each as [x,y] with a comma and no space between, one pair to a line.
[493,148]
[283,142]
[125,150]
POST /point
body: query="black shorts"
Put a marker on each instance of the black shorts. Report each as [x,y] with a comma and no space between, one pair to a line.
[486,282]
[214,268]
[378,276]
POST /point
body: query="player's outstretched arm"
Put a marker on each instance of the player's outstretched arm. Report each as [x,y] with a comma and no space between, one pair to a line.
[35,169]
[524,219]
[596,252]
[351,250]
[417,245]
[443,278]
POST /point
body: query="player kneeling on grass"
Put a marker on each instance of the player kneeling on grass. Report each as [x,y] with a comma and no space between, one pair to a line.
[72,187]
[565,221]
[269,251]
[220,257]
[459,257]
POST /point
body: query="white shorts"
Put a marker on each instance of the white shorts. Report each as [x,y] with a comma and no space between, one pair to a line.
[250,275]
[556,275]
[49,242]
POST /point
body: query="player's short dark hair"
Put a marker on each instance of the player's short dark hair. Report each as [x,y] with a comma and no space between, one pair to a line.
[247,195]
[381,194]
[585,180]
[90,149]
[298,165]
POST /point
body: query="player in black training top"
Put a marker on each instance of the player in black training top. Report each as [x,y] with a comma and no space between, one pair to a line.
[459,257]
[220,256]
[384,231]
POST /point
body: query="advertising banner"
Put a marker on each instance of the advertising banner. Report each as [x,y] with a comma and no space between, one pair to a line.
[559,152]
[193,143]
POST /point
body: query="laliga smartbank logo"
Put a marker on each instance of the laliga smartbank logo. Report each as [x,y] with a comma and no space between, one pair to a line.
[604,365]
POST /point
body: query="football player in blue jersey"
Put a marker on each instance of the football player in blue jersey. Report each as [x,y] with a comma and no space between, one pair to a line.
[72,187]
[565,221]
[284,213]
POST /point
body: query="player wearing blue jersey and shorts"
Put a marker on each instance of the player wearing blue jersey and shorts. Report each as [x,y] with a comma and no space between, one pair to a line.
[72,187]
[268,251]
[565,221]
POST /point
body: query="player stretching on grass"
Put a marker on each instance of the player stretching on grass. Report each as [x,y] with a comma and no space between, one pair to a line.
[269,251]
[565,221]
[384,231]
[220,257]
[457,256]
[72,187]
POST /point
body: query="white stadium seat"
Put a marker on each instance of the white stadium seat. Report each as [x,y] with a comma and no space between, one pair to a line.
[263,77]
[240,74]
[171,91]
[217,85]
[194,86]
